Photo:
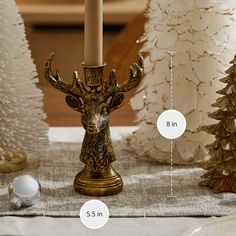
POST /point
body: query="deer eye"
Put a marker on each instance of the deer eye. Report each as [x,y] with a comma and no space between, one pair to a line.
[104,109]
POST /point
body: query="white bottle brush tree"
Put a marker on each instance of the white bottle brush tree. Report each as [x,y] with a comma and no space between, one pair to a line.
[22,128]
[201,35]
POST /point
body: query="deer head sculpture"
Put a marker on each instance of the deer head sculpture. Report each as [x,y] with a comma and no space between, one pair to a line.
[95,100]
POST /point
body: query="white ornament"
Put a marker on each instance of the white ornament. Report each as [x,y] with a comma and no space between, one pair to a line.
[24,190]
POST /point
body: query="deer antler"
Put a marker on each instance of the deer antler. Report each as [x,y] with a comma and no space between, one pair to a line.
[112,86]
[113,90]
[75,89]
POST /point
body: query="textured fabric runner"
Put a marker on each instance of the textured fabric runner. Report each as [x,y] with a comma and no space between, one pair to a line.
[146,188]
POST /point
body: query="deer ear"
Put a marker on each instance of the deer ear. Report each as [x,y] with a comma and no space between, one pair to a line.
[74,103]
[116,101]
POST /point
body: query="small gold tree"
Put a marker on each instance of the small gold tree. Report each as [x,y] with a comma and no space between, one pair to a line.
[221,175]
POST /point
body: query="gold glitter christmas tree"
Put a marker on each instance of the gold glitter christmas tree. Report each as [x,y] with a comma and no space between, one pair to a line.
[221,174]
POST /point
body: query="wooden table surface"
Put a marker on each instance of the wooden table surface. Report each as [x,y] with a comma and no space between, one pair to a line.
[121,55]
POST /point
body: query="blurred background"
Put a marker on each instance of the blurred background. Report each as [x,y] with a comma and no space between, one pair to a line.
[57,26]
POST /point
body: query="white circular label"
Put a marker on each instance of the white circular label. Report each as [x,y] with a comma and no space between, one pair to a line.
[94,214]
[171,124]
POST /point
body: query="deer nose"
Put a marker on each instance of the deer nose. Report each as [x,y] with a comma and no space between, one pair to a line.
[92,128]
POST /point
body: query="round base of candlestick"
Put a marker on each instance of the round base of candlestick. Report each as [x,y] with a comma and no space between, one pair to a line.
[104,183]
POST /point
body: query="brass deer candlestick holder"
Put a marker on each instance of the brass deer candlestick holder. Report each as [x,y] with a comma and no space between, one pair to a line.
[95,99]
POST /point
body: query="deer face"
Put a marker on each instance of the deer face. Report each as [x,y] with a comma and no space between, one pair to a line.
[95,110]
[94,117]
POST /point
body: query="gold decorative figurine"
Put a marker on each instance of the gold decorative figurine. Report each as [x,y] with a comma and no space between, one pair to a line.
[95,99]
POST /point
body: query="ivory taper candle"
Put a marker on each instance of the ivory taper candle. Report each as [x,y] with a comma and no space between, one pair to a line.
[93,40]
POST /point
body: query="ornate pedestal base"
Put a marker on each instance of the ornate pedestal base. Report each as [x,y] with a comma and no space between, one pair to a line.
[11,161]
[97,184]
